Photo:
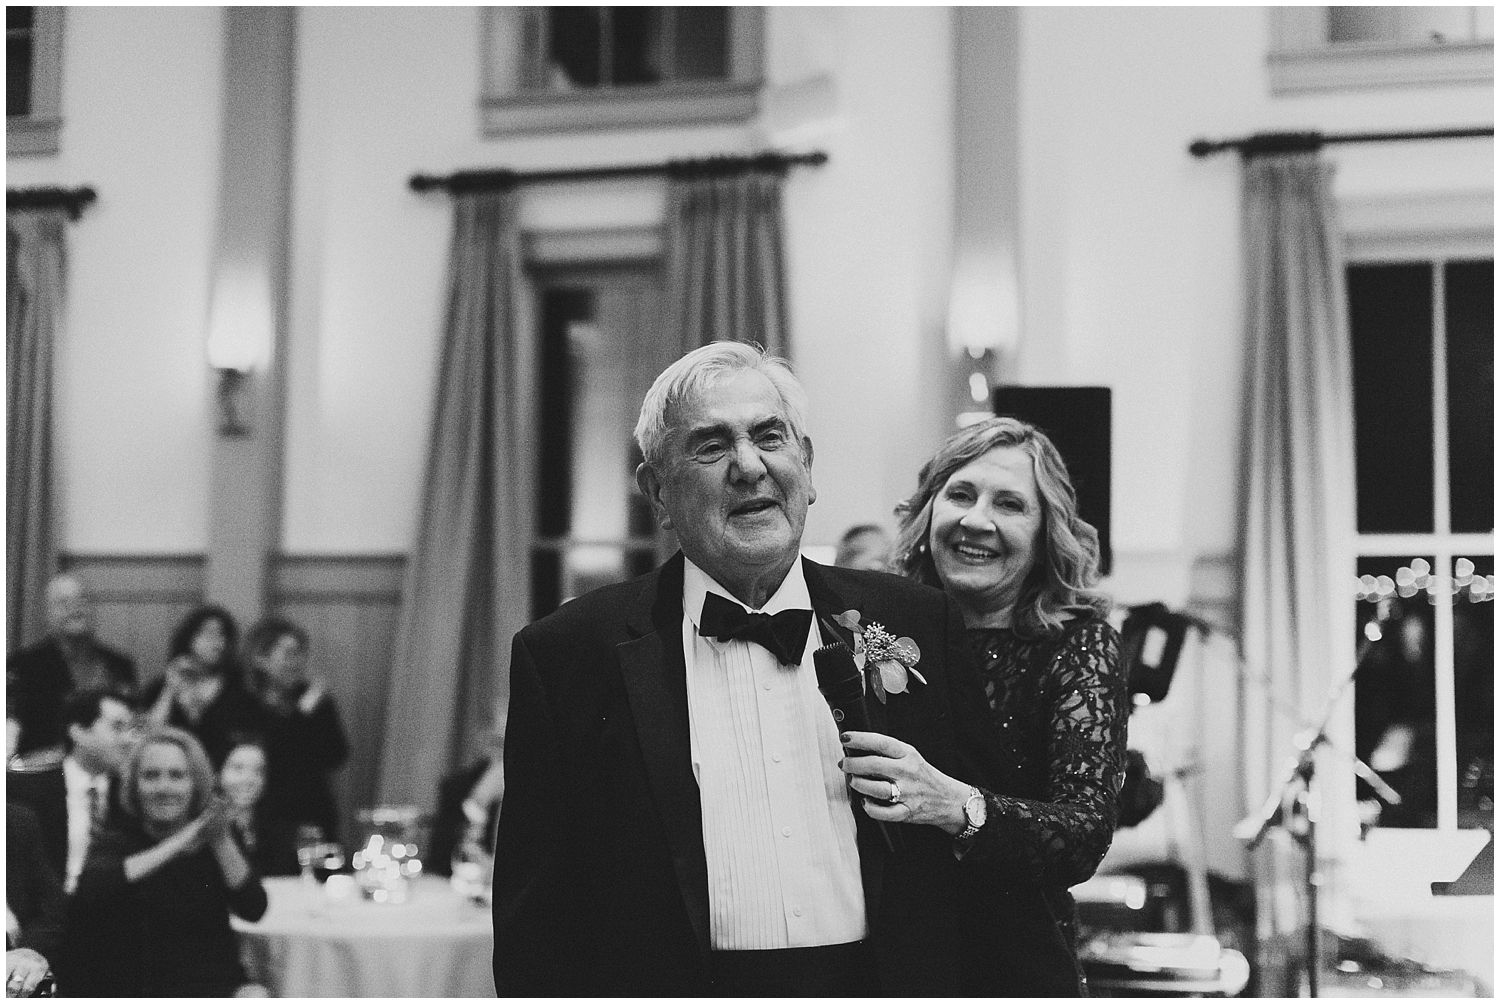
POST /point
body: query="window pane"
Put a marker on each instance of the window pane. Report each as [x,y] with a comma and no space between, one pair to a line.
[1402,25]
[1470,305]
[1474,688]
[573,40]
[1394,707]
[561,310]
[637,45]
[702,43]
[18,75]
[1390,322]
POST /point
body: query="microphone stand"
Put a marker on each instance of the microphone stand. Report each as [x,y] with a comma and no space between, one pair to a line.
[1294,796]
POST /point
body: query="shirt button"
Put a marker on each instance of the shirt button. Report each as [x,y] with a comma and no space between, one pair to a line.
[766,685]
[786,831]
[776,757]
[796,911]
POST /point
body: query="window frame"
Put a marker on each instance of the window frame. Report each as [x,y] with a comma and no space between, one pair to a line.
[1430,232]
[1302,59]
[36,133]
[511,42]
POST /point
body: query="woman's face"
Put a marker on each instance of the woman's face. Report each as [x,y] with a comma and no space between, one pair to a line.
[985,534]
[166,785]
[243,776]
[210,641]
[286,661]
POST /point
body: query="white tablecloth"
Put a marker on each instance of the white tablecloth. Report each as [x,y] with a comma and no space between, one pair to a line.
[436,944]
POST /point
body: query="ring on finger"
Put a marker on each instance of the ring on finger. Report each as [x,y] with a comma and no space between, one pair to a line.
[895,795]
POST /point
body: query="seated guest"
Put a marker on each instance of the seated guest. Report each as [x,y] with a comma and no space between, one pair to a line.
[469,806]
[39,678]
[70,658]
[304,737]
[33,905]
[150,916]
[864,545]
[101,730]
[242,780]
[201,691]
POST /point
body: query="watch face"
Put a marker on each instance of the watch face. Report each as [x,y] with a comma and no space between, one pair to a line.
[974,810]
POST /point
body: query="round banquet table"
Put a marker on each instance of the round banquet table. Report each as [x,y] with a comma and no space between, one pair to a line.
[310,944]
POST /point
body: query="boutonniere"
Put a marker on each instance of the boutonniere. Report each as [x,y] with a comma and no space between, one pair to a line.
[885,659]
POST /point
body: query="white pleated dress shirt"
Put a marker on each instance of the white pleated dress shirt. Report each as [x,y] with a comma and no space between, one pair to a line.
[86,793]
[783,863]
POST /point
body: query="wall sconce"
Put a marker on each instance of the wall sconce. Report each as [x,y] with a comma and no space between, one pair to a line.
[238,332]
[981,325]
[231,383]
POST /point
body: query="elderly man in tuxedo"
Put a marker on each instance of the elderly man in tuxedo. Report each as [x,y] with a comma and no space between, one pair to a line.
[675,820]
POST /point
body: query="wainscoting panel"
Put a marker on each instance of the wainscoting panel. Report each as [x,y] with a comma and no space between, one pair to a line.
[139,600]
[349,607]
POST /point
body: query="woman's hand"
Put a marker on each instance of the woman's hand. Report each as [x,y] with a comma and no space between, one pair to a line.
[874,762]
[24,969]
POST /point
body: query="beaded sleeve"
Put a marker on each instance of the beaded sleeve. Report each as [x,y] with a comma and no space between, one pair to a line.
[1059,710]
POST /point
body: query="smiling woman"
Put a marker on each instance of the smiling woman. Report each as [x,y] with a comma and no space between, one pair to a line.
[150,916]
[994,522]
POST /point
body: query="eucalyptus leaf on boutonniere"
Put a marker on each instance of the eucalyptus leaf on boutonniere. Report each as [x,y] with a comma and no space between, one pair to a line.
[887,661]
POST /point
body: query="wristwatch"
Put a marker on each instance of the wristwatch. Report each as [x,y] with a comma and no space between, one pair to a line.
[974,815]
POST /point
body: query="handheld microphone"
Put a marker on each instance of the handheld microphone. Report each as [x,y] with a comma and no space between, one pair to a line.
[842,686]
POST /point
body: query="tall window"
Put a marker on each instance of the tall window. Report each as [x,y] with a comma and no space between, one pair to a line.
[586,67]
[1423,354]
[33,68]
[599,348]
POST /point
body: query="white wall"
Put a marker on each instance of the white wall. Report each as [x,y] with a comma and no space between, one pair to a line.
[383,92]
[1130,246]
[141,111]
[1130,251]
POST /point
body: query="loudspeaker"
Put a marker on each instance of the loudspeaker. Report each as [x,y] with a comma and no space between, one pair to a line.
[1076,419]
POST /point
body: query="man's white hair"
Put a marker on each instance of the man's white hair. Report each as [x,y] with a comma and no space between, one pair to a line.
[699,370]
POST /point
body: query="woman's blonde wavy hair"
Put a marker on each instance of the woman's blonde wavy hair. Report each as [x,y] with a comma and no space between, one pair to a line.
[1063,580]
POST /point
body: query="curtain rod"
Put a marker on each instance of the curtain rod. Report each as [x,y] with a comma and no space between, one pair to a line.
[501,178]
[71,199]
[1306,142]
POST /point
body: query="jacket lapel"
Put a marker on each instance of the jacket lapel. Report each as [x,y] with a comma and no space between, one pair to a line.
[828,602]
[876,842]
[655,677]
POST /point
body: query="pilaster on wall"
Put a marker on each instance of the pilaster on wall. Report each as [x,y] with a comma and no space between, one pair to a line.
[985,300]
[248,303]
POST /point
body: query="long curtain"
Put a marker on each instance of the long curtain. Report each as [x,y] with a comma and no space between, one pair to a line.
[467,582]
[1298,504]
[34,273]
[726,271]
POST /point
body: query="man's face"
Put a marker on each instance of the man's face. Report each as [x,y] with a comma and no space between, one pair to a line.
[67,607]
[109,739]
[735,483]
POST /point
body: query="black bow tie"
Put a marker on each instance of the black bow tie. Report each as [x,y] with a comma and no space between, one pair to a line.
[783,634]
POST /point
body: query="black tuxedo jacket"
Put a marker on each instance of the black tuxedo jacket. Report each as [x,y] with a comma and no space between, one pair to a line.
[601,884]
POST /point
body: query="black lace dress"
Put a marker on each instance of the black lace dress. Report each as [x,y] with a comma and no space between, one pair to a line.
[1051,762]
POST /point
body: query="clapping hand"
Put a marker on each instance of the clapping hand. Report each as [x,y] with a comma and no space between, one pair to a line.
[899,785]
[308,702]
[25,968]
[211,826]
